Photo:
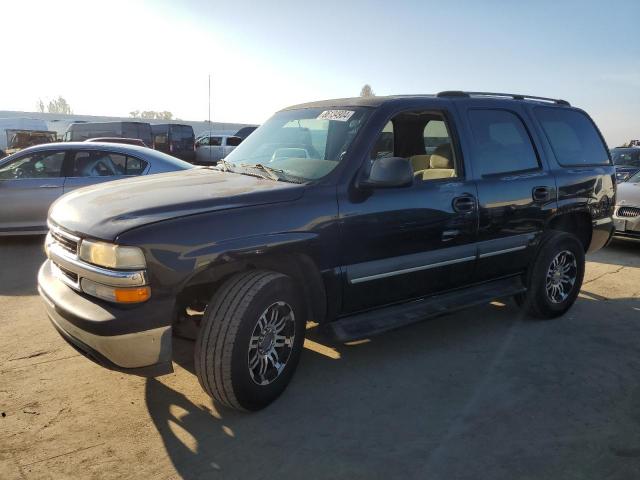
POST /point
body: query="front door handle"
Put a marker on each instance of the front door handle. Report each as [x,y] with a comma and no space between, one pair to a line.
[541,194]
[464,204]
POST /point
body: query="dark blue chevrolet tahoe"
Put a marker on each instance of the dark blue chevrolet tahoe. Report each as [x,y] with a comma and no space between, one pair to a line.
[361,214]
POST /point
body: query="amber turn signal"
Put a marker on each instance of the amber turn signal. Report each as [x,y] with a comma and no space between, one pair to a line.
[132,295]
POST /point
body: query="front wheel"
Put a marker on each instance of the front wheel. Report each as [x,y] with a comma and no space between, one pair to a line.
[250,339]
[555,277]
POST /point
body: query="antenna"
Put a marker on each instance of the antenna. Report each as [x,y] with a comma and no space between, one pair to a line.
[210,132]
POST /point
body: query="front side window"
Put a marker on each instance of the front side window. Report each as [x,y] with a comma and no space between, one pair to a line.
[214,141]
[95,164]
[436,134]
[501,143]
[36,165]
[573,137]
[384,145]
[300,145]
[423,138]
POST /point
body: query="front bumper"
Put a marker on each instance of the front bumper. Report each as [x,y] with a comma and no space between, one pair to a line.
[132,339]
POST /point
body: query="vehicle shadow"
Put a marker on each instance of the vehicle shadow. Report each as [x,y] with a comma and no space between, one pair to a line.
[21,259]
[486,390]
[621,251]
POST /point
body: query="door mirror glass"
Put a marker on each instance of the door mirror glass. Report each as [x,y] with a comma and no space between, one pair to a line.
[387,172]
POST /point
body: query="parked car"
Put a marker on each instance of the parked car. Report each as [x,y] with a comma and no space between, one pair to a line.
[210,149]
[18,133]
[78,132]
[175,139]
[32,179]
[627,213]
[627,162]
[126,141]
[322,215]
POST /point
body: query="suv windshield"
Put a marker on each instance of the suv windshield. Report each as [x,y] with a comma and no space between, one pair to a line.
[298,145]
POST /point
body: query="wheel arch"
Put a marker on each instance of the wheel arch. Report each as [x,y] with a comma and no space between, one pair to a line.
[300,267]
[578,223]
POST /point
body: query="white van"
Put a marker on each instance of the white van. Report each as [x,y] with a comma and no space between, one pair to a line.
[210,149]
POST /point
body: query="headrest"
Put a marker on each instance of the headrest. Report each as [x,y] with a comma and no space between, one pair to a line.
[441,157]
[438,161]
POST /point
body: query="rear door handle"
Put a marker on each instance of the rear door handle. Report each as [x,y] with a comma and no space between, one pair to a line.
[541,194]
[464,204]
[49,186]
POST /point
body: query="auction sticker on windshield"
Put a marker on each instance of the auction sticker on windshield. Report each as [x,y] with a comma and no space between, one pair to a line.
[336,115]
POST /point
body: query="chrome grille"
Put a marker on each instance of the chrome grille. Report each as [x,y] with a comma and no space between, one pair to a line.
[628,211]
[65,240]
[68,273]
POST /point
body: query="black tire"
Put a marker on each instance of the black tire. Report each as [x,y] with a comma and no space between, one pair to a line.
[222,348]
[537,301]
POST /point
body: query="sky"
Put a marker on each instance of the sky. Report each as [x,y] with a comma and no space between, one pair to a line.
[110,58]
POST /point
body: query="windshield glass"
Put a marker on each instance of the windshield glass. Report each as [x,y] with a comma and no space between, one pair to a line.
[300,145]
[626,156]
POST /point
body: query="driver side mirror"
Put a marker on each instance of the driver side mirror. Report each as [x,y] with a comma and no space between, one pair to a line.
[389,172]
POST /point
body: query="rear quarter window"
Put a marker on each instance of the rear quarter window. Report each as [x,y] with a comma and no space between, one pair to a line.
[573,137]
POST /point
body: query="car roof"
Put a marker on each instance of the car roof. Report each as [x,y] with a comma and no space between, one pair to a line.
[377,101]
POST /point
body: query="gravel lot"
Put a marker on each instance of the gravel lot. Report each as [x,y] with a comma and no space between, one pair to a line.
[482,394]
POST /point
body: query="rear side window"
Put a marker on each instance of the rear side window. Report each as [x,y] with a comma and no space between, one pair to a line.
[573,137]
[501,143]
[233,141]
[126,165]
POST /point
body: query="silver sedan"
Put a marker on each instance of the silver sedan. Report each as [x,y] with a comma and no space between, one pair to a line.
[627,213]
[32,179]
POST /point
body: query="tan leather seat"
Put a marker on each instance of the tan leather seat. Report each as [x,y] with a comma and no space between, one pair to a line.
[419,162]
[440,165]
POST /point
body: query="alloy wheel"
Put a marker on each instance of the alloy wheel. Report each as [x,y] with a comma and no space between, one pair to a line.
[271,343]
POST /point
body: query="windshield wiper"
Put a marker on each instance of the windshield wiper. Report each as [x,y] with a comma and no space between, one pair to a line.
[277,174]
[264,171]
[273,173]
[223,166]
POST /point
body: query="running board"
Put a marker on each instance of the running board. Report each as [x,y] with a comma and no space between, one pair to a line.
[374,322]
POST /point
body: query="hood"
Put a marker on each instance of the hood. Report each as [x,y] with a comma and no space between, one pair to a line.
[108,209]
[628,194]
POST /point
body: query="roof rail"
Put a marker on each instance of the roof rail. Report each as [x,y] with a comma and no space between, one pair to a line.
[460,93]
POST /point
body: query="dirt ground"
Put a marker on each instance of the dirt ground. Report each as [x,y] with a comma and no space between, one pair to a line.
[482,394]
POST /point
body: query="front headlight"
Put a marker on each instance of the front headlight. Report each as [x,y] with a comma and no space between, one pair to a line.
[111,256]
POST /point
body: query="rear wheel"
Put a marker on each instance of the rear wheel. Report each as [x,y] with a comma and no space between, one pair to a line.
[250,340]
[555,277]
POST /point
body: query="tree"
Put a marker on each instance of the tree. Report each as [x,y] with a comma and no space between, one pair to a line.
[367,91]
[40,105]
[152,115]
[58,105]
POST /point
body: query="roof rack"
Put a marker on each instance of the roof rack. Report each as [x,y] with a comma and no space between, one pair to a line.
[460,93]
